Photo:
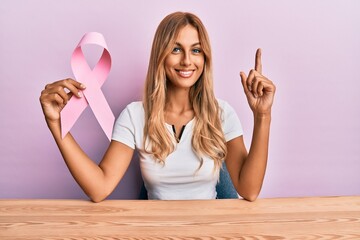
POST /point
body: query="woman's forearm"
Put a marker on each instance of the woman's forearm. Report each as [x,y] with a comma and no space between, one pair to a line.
[87,173]
[253,170]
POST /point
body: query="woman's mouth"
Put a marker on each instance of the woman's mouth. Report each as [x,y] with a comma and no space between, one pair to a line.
[185,73]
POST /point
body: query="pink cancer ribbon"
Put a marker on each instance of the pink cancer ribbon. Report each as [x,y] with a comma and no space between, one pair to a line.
[93,79]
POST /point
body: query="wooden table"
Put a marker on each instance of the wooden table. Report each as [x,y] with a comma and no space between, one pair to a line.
[279,218]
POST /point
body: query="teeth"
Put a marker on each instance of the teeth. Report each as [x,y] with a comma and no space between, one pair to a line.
[185,73]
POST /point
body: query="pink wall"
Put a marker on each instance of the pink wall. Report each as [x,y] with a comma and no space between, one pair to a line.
[311,51]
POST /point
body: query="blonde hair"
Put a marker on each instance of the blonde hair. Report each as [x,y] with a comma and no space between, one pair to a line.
[208,138]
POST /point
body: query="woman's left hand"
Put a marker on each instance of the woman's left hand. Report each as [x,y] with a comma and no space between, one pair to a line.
[259,90]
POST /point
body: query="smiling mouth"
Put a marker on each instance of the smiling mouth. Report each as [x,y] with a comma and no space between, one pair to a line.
[185,73]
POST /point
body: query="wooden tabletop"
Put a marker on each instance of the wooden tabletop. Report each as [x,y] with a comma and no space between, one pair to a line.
[278,218]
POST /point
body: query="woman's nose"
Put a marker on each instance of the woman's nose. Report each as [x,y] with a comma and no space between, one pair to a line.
[186,60]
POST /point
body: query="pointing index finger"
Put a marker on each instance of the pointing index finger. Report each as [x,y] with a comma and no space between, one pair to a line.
[258,64]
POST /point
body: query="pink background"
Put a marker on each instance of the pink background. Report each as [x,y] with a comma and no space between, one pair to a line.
[311,50]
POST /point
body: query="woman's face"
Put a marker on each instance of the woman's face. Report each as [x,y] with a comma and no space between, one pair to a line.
[185,64]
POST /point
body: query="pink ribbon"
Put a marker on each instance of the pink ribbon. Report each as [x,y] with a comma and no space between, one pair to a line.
[93,79]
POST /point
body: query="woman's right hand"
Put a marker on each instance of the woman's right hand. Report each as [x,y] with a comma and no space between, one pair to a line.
[54,97]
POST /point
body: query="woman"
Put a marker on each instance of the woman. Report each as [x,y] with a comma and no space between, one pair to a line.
[182,132]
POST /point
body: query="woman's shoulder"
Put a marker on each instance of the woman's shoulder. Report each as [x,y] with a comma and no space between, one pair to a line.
[227,111]
[224,105]
[229,120]
[135,106]
[134,109]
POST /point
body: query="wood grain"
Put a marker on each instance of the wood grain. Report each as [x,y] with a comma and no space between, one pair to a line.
[280,218]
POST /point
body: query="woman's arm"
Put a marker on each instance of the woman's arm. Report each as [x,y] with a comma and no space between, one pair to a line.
[247,170]
[97,181]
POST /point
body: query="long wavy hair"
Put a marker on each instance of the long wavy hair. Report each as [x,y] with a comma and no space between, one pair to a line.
[208,138]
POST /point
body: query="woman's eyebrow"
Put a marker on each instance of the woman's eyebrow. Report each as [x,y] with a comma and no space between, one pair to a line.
[193,45]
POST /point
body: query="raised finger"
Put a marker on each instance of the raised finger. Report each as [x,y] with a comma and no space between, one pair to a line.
[258,64]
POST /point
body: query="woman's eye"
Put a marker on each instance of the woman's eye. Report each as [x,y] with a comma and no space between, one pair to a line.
[176,50]
[196,50]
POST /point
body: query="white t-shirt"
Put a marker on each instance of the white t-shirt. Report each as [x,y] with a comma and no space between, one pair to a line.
[179,178]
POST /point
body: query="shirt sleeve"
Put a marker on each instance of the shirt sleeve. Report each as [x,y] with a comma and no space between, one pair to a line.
[231,124]
[124,129]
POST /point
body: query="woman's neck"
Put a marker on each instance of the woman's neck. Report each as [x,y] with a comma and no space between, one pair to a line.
[177,101]
[178,110]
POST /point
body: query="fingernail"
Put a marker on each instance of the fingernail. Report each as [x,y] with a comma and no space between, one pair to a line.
[249,87]
[82,85]
[80,94]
